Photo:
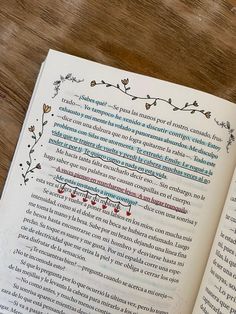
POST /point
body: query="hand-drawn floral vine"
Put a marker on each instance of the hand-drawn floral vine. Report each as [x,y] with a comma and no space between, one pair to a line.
[152,101]
[36,137]
[227,126]
[62,79]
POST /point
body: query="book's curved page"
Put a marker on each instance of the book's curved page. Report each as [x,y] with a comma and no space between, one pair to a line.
[114,194]
[218,289]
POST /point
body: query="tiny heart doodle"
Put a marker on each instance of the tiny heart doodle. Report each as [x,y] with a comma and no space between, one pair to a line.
[128,212]
[93,202]
[104,206]
[85,198]
[73,193]
[116,210]
[61,189]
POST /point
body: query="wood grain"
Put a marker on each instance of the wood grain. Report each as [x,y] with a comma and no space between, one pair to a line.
[187,42]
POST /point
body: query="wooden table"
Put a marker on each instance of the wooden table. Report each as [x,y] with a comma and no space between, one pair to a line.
[190,42]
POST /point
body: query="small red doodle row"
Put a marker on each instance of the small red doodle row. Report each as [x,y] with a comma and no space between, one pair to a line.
[118,205]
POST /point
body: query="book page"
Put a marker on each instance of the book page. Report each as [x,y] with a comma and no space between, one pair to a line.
[114,194]
[218,288]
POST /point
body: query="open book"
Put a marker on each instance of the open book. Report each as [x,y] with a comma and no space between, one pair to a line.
[120,198]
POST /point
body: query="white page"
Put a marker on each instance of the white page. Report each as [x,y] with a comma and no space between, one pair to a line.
[125,191]
[217,293]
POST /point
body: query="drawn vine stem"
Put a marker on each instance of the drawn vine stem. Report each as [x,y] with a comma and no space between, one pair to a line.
[227,126]
[32,149]
[62,79]
[155,99]
[137,97]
